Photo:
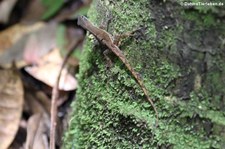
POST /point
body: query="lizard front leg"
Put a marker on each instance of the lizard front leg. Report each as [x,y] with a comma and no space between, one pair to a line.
[118,38]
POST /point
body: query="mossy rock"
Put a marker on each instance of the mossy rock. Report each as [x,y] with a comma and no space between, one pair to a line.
[182,64]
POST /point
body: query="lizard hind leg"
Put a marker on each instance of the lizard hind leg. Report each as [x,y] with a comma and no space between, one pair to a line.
[109,62]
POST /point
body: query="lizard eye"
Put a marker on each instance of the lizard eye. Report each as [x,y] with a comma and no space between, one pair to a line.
[83,17]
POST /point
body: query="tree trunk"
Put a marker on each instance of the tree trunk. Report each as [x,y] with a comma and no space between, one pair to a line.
[179,51]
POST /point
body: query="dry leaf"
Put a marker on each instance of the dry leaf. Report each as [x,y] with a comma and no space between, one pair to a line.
[38,126]
[48,69]
[33,104]
[52,57]
[12,47]
[6,7]
[44,100]
[40,43]
[37,102]
[11,97]
[20,137]
[34,11]
[48,74]
[18,30]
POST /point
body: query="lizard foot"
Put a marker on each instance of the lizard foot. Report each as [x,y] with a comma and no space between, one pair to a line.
[109,62]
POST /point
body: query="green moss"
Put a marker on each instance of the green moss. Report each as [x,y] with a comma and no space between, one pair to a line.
[201,107]
[208,20]
[110,108]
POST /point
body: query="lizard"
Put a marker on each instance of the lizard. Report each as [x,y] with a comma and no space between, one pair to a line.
[107,39]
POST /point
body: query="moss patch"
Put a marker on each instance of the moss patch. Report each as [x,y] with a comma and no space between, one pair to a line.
[110,108]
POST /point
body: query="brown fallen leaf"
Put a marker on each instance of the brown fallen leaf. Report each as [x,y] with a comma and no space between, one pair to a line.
[40,43]
[20,137]
[44,100]
[48,69]
[52,57]
[11,97]
[37,101]
[18,30]
[12,47]
[37,128]
[34,11]
[48,74]
[33,104]
[6,7]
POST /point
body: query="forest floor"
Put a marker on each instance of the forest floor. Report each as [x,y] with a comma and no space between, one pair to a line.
[35,37]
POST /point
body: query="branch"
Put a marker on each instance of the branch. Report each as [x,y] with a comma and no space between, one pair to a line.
[55,92]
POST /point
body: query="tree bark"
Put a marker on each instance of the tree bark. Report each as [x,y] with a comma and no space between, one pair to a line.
[179,51]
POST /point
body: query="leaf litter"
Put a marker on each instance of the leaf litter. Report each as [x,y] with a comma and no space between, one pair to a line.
[32,46]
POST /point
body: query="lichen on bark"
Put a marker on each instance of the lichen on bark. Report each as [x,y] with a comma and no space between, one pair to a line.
[178,54]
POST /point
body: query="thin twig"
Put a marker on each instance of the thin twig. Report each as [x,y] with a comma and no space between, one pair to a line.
[55,92]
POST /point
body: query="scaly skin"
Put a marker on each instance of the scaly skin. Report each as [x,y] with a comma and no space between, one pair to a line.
[106,39]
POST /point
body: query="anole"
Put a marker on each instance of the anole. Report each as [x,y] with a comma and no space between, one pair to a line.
[106,39]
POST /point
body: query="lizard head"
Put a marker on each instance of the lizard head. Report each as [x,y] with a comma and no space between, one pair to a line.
[82,21]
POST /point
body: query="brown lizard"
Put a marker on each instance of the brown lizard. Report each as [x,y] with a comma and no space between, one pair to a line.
[107,40]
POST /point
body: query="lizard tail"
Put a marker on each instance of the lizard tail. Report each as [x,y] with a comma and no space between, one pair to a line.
[138,79]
